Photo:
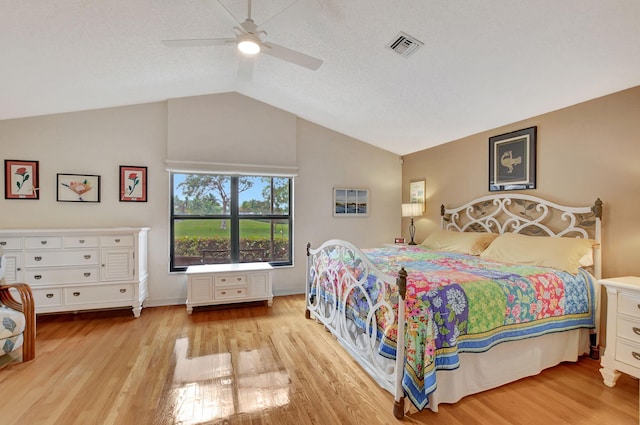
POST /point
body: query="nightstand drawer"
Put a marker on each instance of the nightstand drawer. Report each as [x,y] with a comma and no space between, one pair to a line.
[628,353]
[628,305]
[629,329]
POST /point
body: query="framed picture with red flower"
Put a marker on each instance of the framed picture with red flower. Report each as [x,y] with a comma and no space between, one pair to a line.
[21,179]
[133,184]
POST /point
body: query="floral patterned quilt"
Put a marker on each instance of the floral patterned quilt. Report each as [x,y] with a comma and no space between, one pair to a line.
[459,303]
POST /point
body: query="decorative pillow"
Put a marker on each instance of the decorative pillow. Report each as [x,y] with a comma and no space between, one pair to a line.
[471,243]
[556,252]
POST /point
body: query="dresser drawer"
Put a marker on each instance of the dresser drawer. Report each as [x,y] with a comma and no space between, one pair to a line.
[43,242]
[98,294]
[235,279]
[230,293]
[47,297]
[628,305]
[81,241]
[11,242]
[116,240]
[62,276]
[61,258]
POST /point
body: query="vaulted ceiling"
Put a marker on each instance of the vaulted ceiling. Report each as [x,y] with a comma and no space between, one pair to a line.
[483,63]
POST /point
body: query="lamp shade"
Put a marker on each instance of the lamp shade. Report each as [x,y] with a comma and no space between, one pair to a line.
[411,210]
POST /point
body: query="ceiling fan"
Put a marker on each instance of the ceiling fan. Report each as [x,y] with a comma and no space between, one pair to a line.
[248,41]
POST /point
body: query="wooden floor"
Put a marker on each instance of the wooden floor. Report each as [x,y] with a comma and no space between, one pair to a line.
[255,365]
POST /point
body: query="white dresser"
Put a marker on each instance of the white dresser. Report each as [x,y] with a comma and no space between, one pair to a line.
[212,284]
[622,353]
[79,269]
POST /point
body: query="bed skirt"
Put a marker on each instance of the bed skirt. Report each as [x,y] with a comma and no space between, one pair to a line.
[517,360]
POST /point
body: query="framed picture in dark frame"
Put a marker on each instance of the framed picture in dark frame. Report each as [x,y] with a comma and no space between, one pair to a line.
[78,188]
[21,179]
[512,160]
[133,184]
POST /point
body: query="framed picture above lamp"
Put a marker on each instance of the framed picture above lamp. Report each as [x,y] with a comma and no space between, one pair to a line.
[417,193]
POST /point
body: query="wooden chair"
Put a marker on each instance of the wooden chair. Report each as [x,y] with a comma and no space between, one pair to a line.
[17,320]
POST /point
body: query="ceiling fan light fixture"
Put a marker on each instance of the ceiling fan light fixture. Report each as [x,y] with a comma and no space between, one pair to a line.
[249,46]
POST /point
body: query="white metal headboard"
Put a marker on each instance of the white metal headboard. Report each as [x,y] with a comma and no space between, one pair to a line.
[529,215]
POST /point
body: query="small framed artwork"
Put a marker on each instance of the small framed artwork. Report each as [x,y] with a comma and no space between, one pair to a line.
[78,188]
[398,241]
[350,202]
[417,193]
[21,179]
[512,160]
[133,184]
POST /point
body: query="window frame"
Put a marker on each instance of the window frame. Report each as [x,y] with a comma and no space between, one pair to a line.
[234,217]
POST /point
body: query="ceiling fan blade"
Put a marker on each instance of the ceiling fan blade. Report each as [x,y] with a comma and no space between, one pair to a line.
[196,42]
[245,68]
[292,56]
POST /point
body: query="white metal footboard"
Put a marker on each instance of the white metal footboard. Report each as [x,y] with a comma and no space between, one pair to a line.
[344,292]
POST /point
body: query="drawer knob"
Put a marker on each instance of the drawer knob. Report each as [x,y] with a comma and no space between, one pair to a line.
[3,243]
[49,295]
[122,291]
[37,277]
[87,274]
[635,355]
[223,280]
[81,241]
[43,242]
[238,291]
[238,279]
[86,257]
[117,240]
[37,258]
[76,294]
[224,292]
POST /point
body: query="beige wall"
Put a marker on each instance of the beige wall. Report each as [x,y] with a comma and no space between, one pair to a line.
[586,151]
[98,141]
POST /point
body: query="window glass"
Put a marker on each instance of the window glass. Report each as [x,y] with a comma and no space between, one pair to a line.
[217,219]
[201,194]
[264,240]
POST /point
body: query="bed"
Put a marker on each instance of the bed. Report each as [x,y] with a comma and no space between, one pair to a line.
[507,279]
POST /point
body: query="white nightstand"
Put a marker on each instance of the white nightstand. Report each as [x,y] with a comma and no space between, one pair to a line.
[622,353]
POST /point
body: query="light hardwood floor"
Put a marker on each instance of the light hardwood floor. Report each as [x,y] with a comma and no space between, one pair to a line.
[255,365]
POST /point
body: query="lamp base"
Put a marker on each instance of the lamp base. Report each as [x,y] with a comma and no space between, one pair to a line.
[412,232]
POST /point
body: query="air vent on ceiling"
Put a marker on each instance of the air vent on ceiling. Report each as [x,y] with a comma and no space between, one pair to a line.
[404,44]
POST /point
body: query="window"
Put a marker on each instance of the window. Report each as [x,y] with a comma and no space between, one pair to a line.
[230,219]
